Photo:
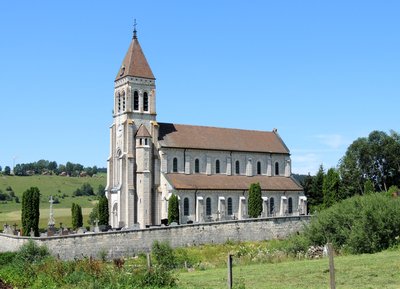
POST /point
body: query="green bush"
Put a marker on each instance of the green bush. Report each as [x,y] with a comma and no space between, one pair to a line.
[164,255]
[158,276]
[7,258]
[361,224]
[32,253]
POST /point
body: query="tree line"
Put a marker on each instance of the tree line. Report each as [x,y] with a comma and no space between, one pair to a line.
[51,167]
[370,164]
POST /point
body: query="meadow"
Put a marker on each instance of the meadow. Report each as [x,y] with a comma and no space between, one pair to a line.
[367,271]
[256,265]
[59,187]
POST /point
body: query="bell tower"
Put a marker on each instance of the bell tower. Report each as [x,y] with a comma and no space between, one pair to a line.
[134,107]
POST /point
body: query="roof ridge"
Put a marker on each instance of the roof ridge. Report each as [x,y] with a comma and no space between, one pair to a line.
[216,127]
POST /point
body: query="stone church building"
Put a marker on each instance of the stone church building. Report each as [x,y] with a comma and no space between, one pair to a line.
[210,169]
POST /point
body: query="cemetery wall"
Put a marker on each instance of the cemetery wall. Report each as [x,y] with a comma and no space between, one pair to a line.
[131,242]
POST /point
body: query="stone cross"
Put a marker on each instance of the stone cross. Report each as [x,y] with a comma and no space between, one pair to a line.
[51,222]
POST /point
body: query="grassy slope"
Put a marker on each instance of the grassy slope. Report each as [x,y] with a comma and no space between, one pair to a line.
[10,212]
[381,270]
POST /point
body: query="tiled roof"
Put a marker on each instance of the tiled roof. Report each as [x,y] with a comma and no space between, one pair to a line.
[224,182]
[142,132]
[135,63]
[226,139]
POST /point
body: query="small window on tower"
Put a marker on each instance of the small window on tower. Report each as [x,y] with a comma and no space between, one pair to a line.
[123,102]
[135,100]
[119,102]
[145,102]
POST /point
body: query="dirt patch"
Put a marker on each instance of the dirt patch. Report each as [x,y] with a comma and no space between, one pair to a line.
[4,285]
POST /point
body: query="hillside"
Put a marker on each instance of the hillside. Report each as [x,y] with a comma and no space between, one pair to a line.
[57,186]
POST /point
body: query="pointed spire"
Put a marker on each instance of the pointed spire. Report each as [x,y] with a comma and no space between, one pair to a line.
[135,63]
[134,29]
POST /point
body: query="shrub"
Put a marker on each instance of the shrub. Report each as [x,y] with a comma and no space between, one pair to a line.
[361,224]
[158,276]
[6,258]
[32,253]
[164,255]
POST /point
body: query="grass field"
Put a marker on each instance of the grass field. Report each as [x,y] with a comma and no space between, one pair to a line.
[369,271]
[60,187]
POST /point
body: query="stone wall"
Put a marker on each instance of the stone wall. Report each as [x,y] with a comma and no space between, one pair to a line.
[130,243]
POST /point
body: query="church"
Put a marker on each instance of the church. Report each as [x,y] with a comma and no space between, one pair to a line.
[210,169]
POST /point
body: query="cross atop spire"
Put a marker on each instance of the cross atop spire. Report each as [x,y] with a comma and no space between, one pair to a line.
[134,29]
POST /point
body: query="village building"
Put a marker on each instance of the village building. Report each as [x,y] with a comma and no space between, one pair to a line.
[210,169]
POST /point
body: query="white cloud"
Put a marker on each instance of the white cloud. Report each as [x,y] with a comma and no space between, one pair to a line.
[333,141]
[305,163]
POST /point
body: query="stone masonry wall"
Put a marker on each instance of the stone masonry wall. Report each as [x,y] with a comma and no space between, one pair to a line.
[130,243]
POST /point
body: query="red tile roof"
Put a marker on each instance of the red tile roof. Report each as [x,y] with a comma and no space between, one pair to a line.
[142,132]
[226,139]
[135,63]
[224,182]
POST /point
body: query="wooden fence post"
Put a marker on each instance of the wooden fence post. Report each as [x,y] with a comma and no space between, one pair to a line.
[148,261]
[331,266]
[230,281]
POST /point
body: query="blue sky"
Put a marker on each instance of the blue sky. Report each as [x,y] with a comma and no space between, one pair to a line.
[322,73]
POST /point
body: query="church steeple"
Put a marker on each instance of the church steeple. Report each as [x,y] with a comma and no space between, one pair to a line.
[135,63]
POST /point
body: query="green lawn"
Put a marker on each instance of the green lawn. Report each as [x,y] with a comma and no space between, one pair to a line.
[381,270]
[60,187]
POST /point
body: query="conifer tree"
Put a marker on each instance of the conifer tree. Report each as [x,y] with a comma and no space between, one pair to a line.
[255,201]
[173,209]
[77,219]
[103,211]
[30,211]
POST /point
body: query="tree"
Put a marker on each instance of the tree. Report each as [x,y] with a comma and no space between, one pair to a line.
[374,158]
[77,219]
[7,170]
[331,188]
[85,190]
[103,211]
[315,198]
[255,201]
[1,169]
[307,187]
[100,190]
[30,211]
[173,209]
[94,214]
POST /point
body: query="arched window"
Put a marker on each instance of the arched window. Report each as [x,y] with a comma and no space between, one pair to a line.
[119,102]
[271,206]
[217,168]
[186,206]
[197,166]
[237,166]
[175,165]
[230,211]
[135,100]
[258,168]
[276,169]
[145,102]
[290,206]
[208,206]
[123,101]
